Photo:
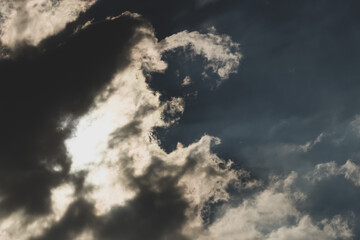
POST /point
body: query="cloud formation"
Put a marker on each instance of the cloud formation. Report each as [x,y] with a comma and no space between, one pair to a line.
[221,53]
[56,84]
[273,214]
[349,170]
[125,158]
[30,21]
[83,104]
[125,173]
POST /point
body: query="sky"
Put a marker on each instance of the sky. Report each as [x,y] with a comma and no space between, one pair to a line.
[179,120]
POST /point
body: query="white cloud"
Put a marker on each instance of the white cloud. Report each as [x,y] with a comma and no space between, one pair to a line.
[336,228]
[186,81]
[310,144]
[287,150]
[31,21]
[222,54]
[272,215]
[355,125]
[349,170]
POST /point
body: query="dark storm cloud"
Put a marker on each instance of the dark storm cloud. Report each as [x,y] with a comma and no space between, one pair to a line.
[40,86]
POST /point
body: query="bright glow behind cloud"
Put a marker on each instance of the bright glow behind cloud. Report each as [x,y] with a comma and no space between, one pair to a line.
[116,136]
[114,145]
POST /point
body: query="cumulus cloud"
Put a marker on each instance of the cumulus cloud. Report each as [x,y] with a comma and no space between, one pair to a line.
[272,214]
[30,21]
[120,183]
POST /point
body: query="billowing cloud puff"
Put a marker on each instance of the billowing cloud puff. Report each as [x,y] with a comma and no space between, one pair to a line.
[272,214]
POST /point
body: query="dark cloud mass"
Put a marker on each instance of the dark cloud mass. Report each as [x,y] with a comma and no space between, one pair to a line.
[78,217]
[42,85]
[109,109]
[157,212]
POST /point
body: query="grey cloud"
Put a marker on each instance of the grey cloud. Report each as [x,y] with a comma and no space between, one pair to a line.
[134,178]
[157,212]
[79,216]
[42,85]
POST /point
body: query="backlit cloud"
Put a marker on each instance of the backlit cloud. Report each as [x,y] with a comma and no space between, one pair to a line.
[109,129]
[221,53]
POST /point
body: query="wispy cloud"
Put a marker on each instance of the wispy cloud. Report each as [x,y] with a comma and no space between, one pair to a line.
[349,170]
